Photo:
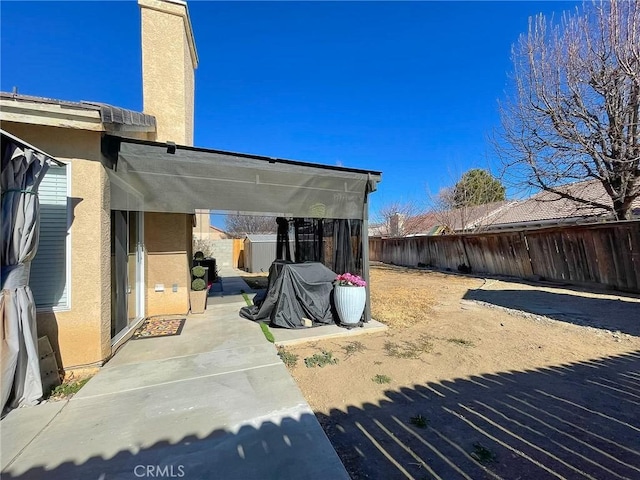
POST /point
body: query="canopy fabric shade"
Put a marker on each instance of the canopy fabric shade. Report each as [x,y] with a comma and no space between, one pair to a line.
[23,167]
[158,177]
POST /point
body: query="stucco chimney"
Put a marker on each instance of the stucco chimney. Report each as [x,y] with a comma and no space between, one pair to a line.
[169,58]
[396,225]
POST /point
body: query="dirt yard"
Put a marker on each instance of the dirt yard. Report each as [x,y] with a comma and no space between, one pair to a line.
[481,378]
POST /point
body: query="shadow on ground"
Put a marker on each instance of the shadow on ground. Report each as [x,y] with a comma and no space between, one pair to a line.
[609,314]
[579,420]
[263,452]
[572,421]
[483,276]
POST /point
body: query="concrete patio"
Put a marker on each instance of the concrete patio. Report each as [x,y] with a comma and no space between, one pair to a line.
[213,402]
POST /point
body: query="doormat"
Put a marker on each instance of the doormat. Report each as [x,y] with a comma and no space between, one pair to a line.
[159,327]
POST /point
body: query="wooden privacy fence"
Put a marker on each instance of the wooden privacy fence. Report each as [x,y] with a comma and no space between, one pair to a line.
[602,255]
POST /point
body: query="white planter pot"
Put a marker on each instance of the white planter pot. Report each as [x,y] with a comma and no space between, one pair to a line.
[198,300]
[350,303]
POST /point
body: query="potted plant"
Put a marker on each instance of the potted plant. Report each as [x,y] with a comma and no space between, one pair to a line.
[350,296]
[199,290]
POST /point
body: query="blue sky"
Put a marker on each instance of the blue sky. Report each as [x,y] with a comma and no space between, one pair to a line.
[408,88]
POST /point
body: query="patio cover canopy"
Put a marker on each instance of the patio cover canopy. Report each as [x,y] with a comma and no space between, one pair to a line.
[162,177]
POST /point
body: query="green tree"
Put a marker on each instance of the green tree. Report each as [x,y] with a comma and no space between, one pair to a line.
[477,187]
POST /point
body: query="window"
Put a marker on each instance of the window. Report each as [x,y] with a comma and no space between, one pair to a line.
[49,279]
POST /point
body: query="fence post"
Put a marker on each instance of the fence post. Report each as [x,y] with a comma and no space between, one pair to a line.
[526,244]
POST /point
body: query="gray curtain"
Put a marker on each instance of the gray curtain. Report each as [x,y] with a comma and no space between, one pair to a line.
[22,171]
[343,259]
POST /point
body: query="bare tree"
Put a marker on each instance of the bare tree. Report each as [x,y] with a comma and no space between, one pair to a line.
[204,246]
[444,211]
[576,106]
[391,217]
[238,225]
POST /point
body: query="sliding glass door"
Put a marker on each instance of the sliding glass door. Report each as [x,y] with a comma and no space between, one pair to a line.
[127,292]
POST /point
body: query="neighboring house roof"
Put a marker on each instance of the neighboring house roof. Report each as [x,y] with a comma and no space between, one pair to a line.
[423,224]
[390,228]
[547,207]
[456,220]
[474,217]
[378,229]
[84,115]
[218,230]
[543,208]
[202,220]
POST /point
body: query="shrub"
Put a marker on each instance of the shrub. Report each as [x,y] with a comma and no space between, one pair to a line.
[66,390]
[419,421]
[320,359]
[288,358]
[198,284]
[381,379]
[198,271]
[482,454]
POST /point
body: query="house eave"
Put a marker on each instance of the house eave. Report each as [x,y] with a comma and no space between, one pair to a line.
[78,116]
[50,115]
[540,224]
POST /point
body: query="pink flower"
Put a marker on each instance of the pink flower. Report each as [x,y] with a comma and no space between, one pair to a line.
[350,280]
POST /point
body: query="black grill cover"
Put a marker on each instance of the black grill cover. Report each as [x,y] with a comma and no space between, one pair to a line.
[295,291]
